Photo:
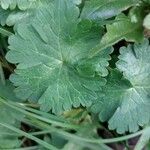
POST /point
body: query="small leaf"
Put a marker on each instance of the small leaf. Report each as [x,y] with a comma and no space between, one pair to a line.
[100,10]
[7,91]
[121,29]
[126,102]
[3,16]
[13,17]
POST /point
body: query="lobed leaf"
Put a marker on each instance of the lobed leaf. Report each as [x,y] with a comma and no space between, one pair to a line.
[15,16]
[126,102]
[96,65]
[21,4]
[47,51]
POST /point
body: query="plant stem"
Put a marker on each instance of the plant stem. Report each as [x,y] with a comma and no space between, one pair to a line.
[44,114]
[32,133]
[61,124]
[39,124]
[2,76]
[27,148]
[39,141]
[74,137]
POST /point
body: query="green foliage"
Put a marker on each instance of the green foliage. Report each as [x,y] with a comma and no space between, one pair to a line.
[125,98]
[11,17]
[3,16]
[7,137]
[95,66]
[57,46]
[100,10]
[21,4]
[122,29]
[10,116]
[71,65]
[6,91]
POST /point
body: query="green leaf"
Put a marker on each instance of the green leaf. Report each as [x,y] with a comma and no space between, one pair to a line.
[96,65]
[121,29]
[6,91]
[21,4]
[100,10]
[126,102]
[47,50]
[137,13]
[12,17]
[55,140]
[8,115]
[77,2]
[134,63]
[16,16]
[3,16]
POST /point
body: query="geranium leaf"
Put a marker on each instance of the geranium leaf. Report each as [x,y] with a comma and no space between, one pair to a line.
[47,50]
[126,102]
[15,16]
[96,65]
[22,4]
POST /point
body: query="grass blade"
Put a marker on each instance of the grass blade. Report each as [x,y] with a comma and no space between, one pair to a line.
[39,141]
